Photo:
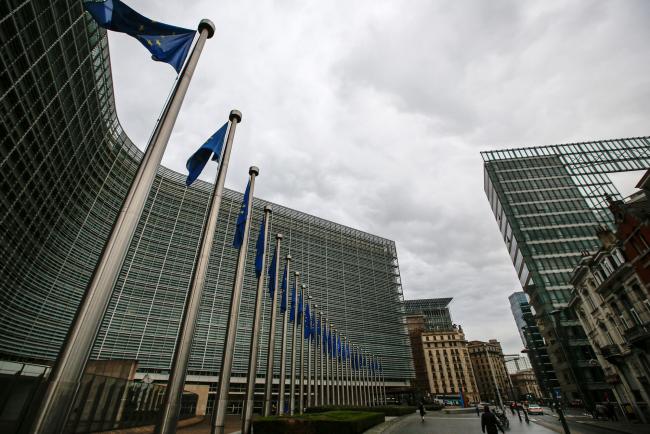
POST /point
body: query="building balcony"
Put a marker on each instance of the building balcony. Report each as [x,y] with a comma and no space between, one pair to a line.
[638,335]
[612,353]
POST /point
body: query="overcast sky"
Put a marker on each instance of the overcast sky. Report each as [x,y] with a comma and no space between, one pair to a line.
[372,114]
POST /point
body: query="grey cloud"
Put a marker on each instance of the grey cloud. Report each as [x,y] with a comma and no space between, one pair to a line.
[372,114]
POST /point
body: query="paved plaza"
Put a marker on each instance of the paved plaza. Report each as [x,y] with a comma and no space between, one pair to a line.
[442,423]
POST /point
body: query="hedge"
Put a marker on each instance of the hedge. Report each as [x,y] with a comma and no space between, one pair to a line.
[387,410]
[339,422]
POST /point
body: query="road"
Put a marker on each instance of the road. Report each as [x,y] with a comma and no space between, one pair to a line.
[442,423]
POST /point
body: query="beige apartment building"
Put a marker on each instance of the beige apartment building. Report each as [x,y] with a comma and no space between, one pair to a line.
[443,362]
[489,370]
[525,385]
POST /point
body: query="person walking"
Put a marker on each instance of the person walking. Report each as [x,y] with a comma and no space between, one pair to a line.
[478,411]
[490,422]
[421,408]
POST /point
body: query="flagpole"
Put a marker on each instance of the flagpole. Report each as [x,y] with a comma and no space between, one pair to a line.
[301,385]
[383,381]
[168,417]
[362,371]
[292,378]
[367,379]
[219,412]
[330,366]
[257,315]
[355,360]
[268,380]
[373,381]
[344,359]
[371,386]
[326,385]
[309,358]
[64,380]
[283,356]
[352,379]
[321,356]
[337,362]
[316,357]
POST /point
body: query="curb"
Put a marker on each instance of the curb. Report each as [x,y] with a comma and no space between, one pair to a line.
[382,427]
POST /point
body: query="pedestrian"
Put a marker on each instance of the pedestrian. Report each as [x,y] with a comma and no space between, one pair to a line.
[421,408]
[512,407]
[611,411]
[490,422]
[478,411]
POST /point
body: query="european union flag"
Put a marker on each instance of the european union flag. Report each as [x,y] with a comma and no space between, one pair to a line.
[307,324]
[241,219]
[300,305]
[292,312]
[261,241]
[313,328]
[272,276]
[318,333]
[213,146]
[169,44]
[283,286]
[338,346]
[329,343]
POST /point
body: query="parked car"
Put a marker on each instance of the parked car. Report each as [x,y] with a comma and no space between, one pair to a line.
[535,409]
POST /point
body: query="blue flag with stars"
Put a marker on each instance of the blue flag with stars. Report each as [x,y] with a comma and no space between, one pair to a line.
[169,44]
[292,312]
[283,286]
[329,344]
[241,219]
[300,305]
[272,276]
[261,242]
[213,146]
[307,325]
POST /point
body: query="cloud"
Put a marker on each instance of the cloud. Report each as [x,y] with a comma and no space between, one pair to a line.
[372,114]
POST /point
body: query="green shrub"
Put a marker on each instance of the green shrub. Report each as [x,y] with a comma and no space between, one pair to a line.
[339,422]
[387,410]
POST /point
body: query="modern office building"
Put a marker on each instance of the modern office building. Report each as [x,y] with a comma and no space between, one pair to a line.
[65,167]
[490,370]
[442,362]
[435,311]
[534,344]
[547,201]
[519,306]
[516,363]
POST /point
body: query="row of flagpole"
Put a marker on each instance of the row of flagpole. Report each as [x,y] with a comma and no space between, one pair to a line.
[339,372]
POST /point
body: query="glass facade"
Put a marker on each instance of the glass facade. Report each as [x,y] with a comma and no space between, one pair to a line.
[65,167]
[435,311]
[548,201]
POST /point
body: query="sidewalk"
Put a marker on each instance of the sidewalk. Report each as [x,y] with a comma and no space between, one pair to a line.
[580,417]
[621,427]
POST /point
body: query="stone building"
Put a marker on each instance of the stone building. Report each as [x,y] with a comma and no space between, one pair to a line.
[442,365]
[610,298]
[525,385]
[490,370]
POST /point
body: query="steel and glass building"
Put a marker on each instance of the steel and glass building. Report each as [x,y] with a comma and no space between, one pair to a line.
[548,201]
[434,310]
[534,344]
[65,167]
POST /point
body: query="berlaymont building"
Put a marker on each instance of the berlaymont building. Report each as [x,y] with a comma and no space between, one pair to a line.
[65,167]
